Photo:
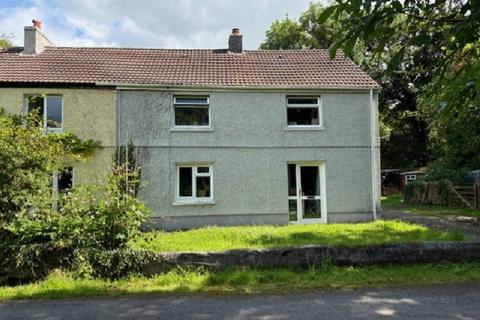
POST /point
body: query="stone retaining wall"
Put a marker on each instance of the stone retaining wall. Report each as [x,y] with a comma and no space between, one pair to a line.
[118,263]
[303,257]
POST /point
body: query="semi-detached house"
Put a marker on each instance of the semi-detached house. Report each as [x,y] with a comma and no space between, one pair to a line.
[224,137]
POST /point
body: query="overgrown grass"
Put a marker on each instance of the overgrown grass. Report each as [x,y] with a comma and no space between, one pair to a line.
[227,238]
[395,203]
[62,286]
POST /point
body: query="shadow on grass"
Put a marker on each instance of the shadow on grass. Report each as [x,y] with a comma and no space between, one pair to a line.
[382,235]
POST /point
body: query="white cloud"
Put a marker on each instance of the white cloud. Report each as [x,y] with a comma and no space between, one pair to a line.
[149,23]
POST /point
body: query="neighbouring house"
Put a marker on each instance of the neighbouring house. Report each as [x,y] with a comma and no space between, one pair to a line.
[409,176]
[224,137]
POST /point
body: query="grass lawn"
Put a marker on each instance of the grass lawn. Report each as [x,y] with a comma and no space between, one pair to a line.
[227,238]
[62,286]
[395,203]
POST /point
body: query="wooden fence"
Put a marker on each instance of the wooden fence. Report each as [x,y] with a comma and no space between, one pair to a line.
[443,193]
[461,196]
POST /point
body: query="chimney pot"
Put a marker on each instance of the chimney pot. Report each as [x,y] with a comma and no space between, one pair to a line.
[37,24]
[235,41]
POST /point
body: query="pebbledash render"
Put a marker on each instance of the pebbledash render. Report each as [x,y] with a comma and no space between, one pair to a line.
[223,137]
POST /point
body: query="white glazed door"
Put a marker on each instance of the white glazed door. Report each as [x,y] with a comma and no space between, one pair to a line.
[307,193]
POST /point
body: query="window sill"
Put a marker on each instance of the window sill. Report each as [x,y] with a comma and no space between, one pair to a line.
[53,130]
[194,129]
[194,203]
[304,128]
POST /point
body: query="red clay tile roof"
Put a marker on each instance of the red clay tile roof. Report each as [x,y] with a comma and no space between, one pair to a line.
[203,68]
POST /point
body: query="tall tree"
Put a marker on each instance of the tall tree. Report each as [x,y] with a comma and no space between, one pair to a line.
[5,41]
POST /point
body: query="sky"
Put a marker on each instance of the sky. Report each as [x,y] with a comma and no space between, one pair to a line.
[147,23]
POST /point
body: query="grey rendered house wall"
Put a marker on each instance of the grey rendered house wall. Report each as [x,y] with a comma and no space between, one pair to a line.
[249,147]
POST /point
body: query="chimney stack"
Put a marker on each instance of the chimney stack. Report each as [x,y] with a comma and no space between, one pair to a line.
[35,41]
[235,41]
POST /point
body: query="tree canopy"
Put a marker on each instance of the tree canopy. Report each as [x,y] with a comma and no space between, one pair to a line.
[5,41]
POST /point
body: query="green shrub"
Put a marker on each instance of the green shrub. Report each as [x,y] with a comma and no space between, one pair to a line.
[119,216]
[118,263]
[27,159]
[33,236]
[27,243]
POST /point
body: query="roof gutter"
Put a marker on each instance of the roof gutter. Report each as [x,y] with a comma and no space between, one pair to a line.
[129,86]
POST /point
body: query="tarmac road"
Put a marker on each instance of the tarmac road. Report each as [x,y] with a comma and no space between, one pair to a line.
[426,302]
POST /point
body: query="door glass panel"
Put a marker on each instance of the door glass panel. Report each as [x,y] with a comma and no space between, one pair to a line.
[292,210]
[310,181]
[203,187]
[185,183]
[292,181]
[311,209]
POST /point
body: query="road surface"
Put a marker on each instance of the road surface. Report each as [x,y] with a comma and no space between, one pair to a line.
[432,302]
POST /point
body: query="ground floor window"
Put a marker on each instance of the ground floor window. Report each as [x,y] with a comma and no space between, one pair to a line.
[306,192]
[194,183]
[62,182]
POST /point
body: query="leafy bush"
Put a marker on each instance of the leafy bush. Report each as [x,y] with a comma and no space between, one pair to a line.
[33,236]
[118,263]
[119,216]
[28,242]
[27,160]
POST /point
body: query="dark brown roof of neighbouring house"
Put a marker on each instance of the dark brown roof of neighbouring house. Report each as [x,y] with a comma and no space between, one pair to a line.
[307,68]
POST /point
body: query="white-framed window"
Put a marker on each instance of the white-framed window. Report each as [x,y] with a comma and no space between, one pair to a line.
[191,111]
[194,183]
[62,182]
[410,177]
[304,111]
[49,109]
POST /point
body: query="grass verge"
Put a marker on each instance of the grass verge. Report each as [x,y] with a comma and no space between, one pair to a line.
[62,285]
[249,237]
[395,203]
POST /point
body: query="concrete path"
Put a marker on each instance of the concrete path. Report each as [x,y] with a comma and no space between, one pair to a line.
[468,225]
[432,302]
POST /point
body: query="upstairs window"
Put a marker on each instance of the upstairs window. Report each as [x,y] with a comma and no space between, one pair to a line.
[304,112]
[194,183]
[192,111]
[49,110]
